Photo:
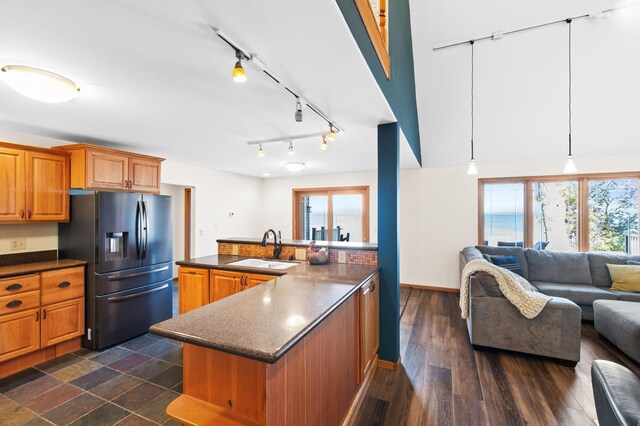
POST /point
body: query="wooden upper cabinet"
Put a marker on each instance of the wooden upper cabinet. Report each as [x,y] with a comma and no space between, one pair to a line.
[34,184]
[96,167]
[12,189]
[47,186]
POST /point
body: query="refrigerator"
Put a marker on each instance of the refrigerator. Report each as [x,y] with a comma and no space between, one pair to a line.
[126,239]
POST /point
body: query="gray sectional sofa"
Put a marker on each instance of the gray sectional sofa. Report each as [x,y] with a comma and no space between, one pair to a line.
[575,280]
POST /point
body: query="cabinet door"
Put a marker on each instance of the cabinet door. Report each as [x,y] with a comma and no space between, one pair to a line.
[12,201]
[193,288]
[224,284]
[20,333]
[62,321]
[369,325]
[47,187]
[107,170]
[144,175]
[253,280]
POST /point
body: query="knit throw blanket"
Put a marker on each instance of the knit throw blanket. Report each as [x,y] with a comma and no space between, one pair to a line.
[515,288]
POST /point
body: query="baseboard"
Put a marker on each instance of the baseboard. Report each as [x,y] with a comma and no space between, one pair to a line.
[431,287]
[389,365]
[15,365]
[357,400]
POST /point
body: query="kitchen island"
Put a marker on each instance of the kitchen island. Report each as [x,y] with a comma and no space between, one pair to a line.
[294,350]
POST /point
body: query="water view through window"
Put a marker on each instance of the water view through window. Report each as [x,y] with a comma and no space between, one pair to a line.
[504,214]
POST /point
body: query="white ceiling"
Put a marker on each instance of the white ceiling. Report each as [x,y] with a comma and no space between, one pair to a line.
[521,80]
[154,78]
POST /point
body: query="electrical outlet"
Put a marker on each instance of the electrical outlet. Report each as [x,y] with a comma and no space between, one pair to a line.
[342,256]
[234,249]
[19,244]
[301,254]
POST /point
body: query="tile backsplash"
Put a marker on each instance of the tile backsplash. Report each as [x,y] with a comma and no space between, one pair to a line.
[360,257]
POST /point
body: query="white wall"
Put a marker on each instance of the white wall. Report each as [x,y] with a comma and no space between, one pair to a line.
[439,206]
[215,195]
[177,221]
[277,199]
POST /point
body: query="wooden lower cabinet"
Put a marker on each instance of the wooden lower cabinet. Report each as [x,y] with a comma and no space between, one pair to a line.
[369,324]
[224,284]
[20,333]
[61,321]
[193,288]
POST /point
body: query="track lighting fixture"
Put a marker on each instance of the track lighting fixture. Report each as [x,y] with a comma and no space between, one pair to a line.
[290,147]
[332,134]
[239,75]
[570,165]
[260,151]
[298,114]
[472,170]
[323,146]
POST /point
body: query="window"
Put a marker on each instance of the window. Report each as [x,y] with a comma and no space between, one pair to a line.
[588,212]
[331,214]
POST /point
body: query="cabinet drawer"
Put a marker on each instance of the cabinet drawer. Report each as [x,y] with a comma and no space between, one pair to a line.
[19,284]
[19,302]
[62,284]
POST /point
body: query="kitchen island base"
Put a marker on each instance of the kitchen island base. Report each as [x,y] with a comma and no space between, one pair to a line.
[316,382]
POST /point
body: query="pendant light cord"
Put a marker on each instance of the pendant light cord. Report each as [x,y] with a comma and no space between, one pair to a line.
[569,22]
[472,67]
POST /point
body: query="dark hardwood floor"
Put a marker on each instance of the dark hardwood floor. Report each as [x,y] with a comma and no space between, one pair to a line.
[443,381]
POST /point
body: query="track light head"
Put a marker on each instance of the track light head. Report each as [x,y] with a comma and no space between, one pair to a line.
[298,114]
[324,145]
[239,75]
[290,147]
[332,134]
[260,151]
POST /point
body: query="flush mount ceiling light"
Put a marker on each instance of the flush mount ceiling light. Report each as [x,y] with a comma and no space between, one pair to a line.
[290,147]
[40,85]
[570,165]
[239,76]
[472,170]
[260,151]
[294,166]
[324,145]
[332,134]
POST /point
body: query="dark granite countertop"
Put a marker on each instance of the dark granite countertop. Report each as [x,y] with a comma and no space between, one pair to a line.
[265,321]
[345,245]
[33,267]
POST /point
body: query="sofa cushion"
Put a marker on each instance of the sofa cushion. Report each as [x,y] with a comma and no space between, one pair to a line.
[626,296]
[633,262]
[625,277]
[598,265]
[510,263]
[558,267]
[471,253]
[581,294]
[508,251]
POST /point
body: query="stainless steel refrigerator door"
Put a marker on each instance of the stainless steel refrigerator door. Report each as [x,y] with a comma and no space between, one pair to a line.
[119,239]
[157,238]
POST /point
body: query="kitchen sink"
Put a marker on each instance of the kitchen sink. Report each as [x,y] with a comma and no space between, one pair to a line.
[262,263]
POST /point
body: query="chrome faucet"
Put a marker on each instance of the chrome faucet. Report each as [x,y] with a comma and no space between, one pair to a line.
[277,246]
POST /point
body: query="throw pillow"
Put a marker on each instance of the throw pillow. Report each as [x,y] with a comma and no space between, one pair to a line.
[508,262]
[625,277]
[632,262]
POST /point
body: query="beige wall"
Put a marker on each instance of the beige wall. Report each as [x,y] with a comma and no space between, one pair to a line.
[42,236]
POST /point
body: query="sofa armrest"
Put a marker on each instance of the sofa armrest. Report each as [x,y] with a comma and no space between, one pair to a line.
[617,393]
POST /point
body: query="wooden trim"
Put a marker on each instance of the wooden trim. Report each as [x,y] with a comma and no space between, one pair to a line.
[81,146]
[582,179]
[431,288]
[359,398]
[298,193]
[187,223]
[375,35]
[25,361]
[389,365]
[29,148]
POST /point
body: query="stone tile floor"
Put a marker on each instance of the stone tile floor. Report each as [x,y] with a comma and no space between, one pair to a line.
[129,384]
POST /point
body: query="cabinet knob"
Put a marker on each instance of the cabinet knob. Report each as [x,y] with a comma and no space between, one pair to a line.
[64,284]
[13,287]
[373,286]
[14,303]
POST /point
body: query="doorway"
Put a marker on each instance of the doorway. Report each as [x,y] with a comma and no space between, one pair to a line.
[182,219]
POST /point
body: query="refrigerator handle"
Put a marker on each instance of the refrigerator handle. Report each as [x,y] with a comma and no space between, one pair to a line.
[144,229]
[138,230]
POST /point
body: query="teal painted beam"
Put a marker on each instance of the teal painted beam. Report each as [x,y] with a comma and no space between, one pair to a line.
[389,240]
[400,90]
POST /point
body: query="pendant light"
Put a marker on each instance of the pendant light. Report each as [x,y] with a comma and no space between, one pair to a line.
[40,85]
[570,165]
[260,151]
[472,170]
[239,75]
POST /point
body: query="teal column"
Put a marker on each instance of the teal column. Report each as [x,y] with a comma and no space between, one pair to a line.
[389,240]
